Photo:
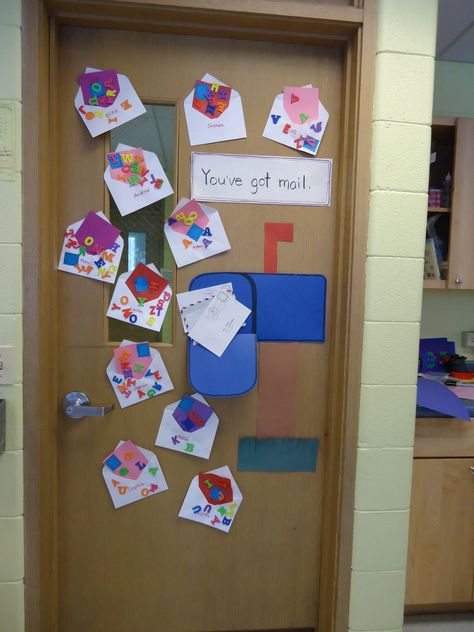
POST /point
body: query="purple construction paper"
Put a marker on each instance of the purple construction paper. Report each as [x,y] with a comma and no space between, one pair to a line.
[185,408]
[102,233]
[100,88]
[436,396]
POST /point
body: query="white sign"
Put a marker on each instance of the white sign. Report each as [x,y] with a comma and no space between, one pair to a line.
[260,179]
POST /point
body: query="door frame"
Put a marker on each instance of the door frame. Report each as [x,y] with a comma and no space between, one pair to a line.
[351,28]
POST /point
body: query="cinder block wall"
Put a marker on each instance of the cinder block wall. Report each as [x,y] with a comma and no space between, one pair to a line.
[11,462]
[394,279]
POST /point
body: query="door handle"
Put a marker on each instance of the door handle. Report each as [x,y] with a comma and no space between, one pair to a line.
[76,405]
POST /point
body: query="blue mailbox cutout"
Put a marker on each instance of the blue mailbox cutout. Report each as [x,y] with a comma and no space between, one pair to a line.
[285,308]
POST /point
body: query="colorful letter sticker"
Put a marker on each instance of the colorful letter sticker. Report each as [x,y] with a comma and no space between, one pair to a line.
[92,248]
[147,479]
[106,100]
[135,178]
[130,390]
[188,426]
[141,297]
[213,112]
[195,232]
[297,119]
[213,499]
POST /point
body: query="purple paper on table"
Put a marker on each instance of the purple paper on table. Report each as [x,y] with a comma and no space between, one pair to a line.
[432,352]
[191,414]
[436,396]
[99,88]
[96,234]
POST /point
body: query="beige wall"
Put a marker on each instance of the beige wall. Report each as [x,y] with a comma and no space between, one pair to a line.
[402,114]
[394,278]
[11,462]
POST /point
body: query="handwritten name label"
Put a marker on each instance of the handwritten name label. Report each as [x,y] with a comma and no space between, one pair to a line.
[260,179]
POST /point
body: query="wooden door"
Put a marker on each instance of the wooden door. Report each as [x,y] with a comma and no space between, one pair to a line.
[441,543]
[141,567]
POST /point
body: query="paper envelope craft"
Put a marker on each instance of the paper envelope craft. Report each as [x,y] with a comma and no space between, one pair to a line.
[297,119]
[106,100]
[193,304]
[92,248]
[284,308]
[135,178]
[188,426]
[213,112]
[195,232]
[132,473]
[213,499]
[141,297]
[137,373]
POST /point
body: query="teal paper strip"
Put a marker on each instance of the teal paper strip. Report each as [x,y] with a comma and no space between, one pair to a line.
[277,455]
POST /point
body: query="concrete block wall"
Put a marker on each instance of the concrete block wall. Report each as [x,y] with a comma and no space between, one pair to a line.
[11,462]
[406,36]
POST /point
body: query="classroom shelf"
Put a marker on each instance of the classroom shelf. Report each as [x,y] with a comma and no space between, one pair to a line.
[434,284]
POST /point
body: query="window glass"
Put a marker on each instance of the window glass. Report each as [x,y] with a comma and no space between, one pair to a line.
[142,231]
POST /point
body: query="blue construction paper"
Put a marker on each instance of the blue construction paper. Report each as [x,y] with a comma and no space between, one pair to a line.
[436,396]
[432,351]
[285,307]
[277,455]
[290,307]
[231,375]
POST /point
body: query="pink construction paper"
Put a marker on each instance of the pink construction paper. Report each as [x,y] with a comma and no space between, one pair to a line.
[132,460]
[301,104]
[189,214]
[127,359]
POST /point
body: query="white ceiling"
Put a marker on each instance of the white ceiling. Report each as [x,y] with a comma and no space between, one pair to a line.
[455,38]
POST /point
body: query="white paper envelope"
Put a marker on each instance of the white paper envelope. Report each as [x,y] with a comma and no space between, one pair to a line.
[208,510]
[192,304]
[124,491]
[229,126]
[125,307]
[219,323]
[173,436]
[189,242]
[74,259]
[153,186]
[305,137]
[126,107]
[129,391]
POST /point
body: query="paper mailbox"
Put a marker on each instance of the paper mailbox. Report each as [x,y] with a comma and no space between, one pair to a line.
[285,308]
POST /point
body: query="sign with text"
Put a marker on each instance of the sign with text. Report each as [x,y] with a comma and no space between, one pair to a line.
[260,179]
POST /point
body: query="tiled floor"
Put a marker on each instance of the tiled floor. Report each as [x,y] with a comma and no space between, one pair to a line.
[440,623]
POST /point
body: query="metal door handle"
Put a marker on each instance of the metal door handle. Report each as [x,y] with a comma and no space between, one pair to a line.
[76,405]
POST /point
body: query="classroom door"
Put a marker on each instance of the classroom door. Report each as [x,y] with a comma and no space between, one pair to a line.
[141,567]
